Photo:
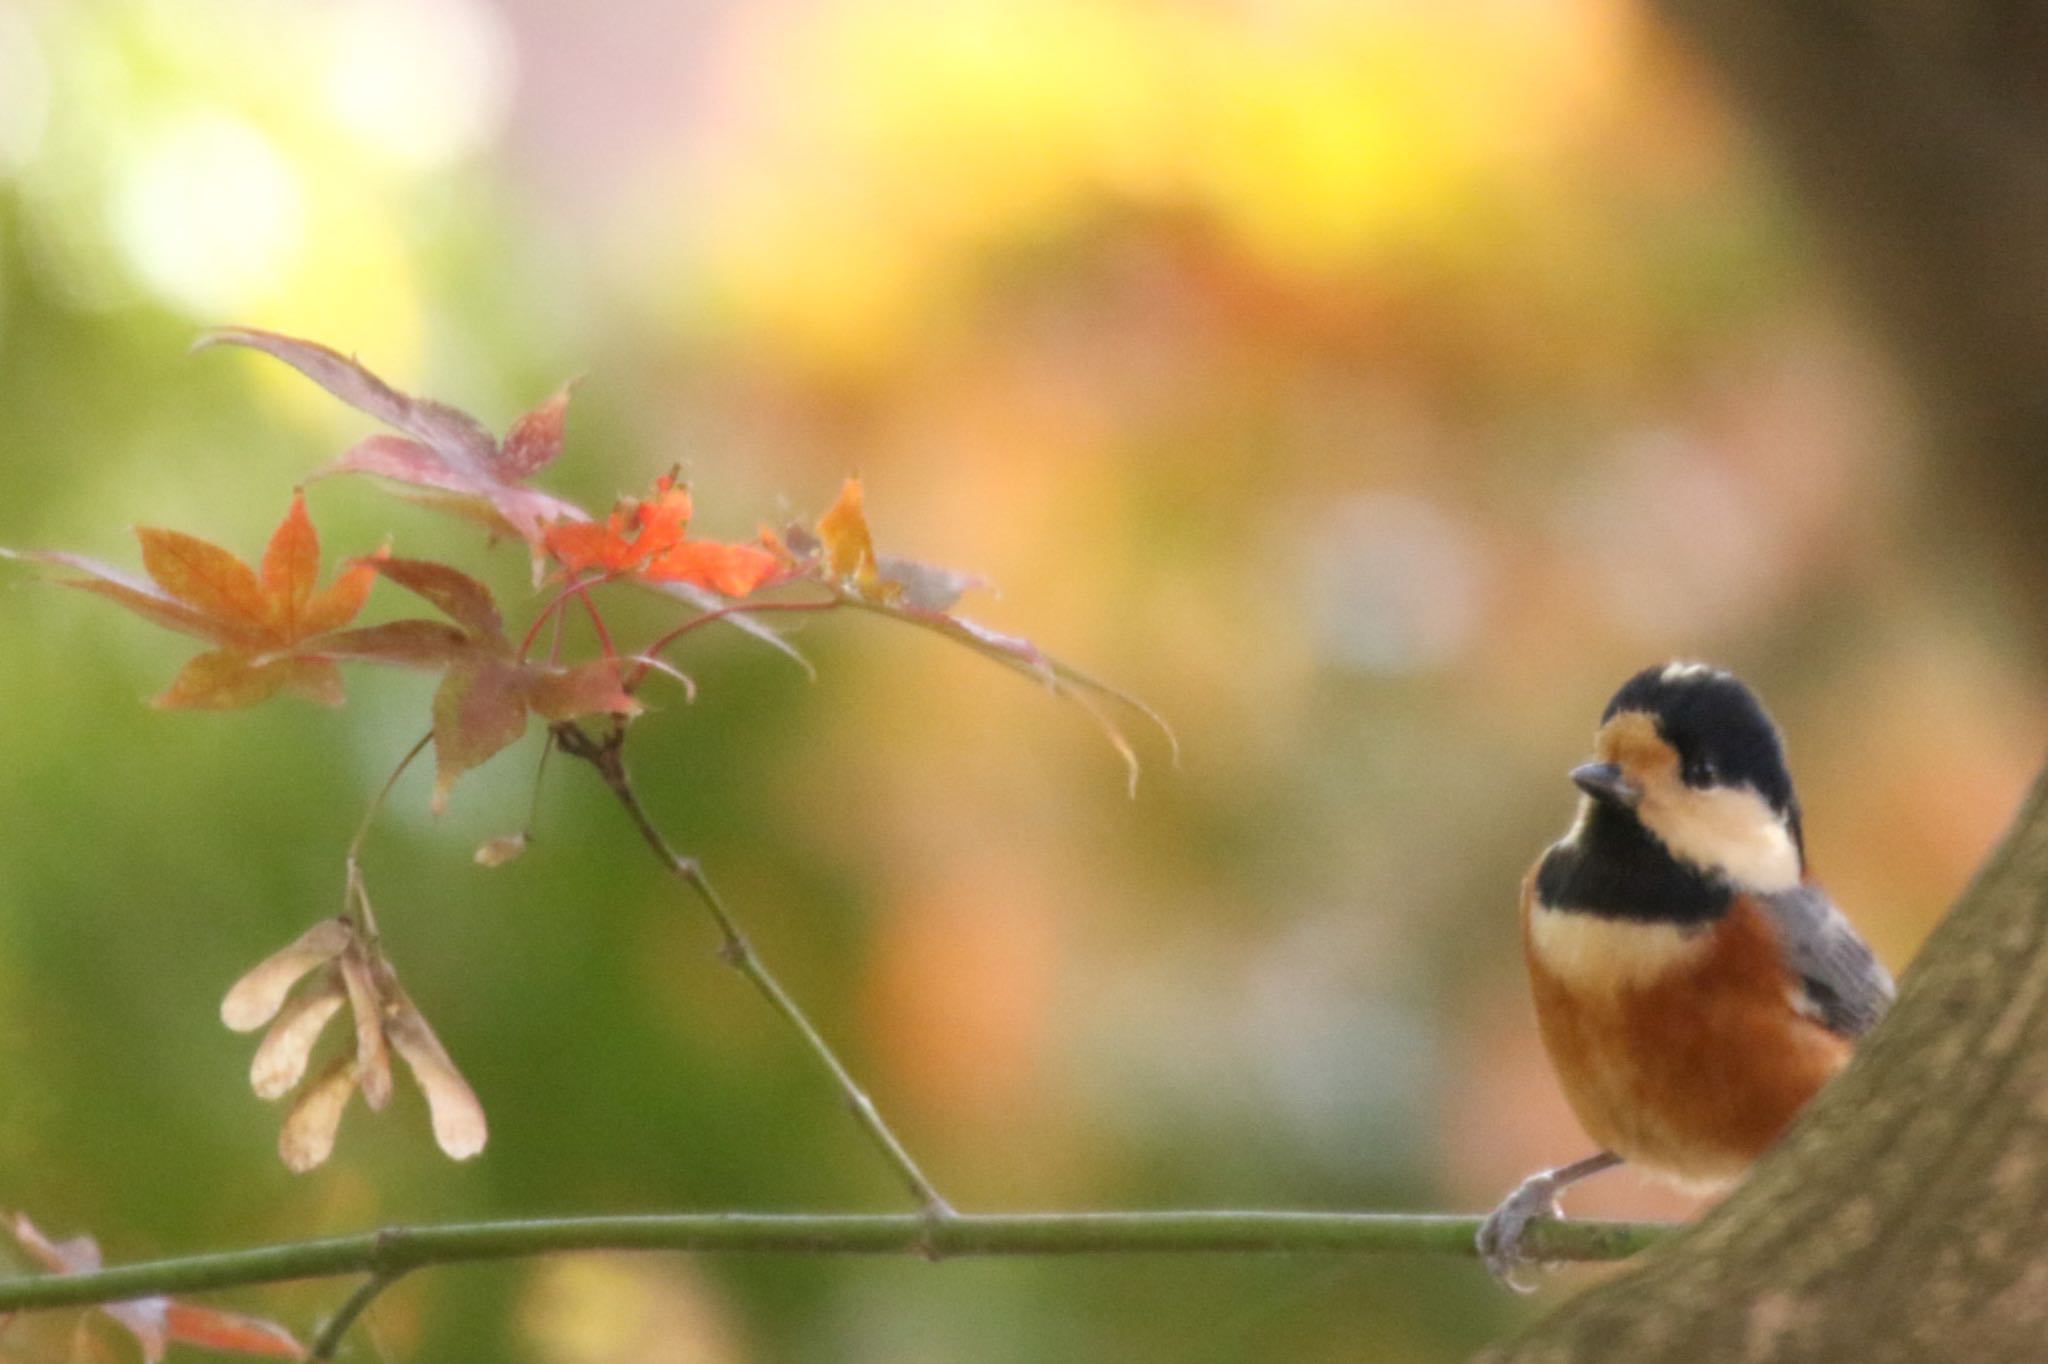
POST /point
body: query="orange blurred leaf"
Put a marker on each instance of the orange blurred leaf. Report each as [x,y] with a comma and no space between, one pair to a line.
[209,1328]
[636,531]
[258,618]
[730,570]
[849,545]
[158,1322]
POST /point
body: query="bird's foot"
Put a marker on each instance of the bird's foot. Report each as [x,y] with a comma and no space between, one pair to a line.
[1500,1235]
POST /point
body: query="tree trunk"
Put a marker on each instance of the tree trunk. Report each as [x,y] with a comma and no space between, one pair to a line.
[1906,1217]
[1916,133]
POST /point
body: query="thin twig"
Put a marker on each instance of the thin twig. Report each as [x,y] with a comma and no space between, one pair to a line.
[355,898]
[400,1250]
[607,756]
[739,608]
[330,1337]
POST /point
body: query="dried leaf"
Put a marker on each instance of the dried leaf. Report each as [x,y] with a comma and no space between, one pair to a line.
[927,587]
[738,620]
[410,643]
[462,598]
[535,439]
[455,437]
[1021,655]
[144,599]
[255,999]
[502,849]
[448,450]
[280,1060]
[307,1138]
[459,1125]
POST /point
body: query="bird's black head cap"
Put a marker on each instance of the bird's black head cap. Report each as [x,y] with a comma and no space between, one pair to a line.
[1722,733]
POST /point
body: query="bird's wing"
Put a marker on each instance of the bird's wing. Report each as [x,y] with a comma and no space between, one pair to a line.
[1840,979]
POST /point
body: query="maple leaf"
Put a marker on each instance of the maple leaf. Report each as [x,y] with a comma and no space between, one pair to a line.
[646,538]
[487,692]
[159,1322]
[441,449]
[256,617]
[298,990]
[636,531]
[841,555]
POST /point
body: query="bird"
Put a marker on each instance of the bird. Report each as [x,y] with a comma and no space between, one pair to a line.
[1694,987]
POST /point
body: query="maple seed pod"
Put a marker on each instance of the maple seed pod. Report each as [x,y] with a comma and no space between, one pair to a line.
[459,1125]
[307,1137]
[366,1002]
[255,999]
[280,1060]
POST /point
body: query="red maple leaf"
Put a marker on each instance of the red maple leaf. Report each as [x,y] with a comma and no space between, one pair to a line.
[487,691]
[158,1323]
[256,617]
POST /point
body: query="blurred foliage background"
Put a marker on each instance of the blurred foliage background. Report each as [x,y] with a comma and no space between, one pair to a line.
[1369,386]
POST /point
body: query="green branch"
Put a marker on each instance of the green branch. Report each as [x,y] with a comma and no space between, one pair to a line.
[399,1250]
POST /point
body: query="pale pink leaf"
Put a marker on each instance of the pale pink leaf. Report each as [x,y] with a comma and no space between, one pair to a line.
[458,438]
[927,587]
[147,1319]
[79,1255]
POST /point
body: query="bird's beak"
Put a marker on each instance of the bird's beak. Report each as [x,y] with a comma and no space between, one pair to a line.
[1606,781]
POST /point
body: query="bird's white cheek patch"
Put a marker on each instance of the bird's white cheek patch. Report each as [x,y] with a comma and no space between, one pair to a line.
[1595,952]
[1729,830]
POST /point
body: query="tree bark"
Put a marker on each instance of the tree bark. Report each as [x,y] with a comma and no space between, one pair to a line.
[1905,1218]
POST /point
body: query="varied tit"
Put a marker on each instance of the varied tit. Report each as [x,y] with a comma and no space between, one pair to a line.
[1694,989]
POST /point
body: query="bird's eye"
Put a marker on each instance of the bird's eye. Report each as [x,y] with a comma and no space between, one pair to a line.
[1699,772]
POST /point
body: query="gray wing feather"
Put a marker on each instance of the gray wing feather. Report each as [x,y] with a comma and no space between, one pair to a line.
[1841,980]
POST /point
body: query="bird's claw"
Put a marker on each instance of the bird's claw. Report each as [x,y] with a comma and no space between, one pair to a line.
[1500,1235]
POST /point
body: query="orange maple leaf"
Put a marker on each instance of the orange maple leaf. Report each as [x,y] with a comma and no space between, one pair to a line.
[636,531]
[256,617]
[646,539]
